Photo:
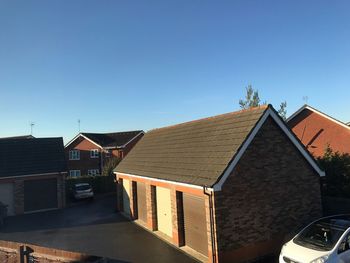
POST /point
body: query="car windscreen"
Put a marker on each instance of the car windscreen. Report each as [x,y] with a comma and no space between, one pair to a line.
[320,236]
[82,187]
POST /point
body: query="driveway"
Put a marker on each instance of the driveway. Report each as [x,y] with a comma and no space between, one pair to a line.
[92,228]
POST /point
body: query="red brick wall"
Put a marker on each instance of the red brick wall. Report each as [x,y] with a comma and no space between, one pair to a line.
[272,191]
[316,132]
[86,162]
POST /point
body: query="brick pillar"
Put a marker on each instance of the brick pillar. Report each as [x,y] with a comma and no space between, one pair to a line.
[19,197]
[209,231]
[177,217]
[120,194]
[151,207]
[133,200]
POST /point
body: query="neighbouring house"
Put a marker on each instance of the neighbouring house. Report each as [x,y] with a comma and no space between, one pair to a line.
[228,188]
[87,153]
[317,130]
[32,174]
[18,137]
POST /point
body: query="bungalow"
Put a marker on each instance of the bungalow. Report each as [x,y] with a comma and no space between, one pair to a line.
[87,153]
[32,174]
[224,189]
[317,130]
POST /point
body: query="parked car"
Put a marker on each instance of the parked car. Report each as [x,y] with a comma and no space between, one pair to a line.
[82,191]
[326,240]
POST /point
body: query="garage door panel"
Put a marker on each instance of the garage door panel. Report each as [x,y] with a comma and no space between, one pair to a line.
[141,202]
[126,196]
[40,194]
[7,197]
[164,217]
[195,223]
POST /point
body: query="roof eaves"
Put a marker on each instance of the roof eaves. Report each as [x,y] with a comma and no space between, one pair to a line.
[82,135]
[319,113]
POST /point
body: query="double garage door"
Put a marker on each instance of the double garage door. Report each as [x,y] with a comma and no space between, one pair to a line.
[38,195]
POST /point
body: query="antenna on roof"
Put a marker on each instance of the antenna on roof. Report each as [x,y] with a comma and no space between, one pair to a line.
[31,127]
[79,125]
[305,99]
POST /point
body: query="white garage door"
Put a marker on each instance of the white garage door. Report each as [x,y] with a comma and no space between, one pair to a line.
[164,211]
[6,197]
[126,196]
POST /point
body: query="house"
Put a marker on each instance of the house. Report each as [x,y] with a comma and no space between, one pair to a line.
[87,153]
[224,189]
[32,174]
[317,130]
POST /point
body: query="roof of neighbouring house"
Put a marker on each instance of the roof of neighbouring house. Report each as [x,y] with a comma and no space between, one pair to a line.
[311,109]
[28,156]
[18,137]
[112,139]
[195,152]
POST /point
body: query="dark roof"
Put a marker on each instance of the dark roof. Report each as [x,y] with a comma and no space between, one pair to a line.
[196,152]
[31,156]
[19,137]
[114,139]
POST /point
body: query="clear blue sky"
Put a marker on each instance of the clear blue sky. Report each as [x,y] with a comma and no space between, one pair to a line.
[124,65]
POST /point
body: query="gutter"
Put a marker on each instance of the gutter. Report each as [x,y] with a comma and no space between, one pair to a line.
[211,213]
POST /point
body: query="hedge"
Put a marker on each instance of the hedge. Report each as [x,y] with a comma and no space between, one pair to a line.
[100,184]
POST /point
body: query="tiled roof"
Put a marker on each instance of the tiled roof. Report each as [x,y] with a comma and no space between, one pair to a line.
[31,156]
[114,139]
[196,152]
[19,137]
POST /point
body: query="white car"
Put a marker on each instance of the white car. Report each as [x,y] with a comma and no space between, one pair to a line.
[326,240]
[83,191]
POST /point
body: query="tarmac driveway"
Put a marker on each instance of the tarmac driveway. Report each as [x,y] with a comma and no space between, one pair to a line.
[92,228]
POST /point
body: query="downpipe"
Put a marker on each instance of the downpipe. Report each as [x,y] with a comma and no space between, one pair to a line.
[211,213]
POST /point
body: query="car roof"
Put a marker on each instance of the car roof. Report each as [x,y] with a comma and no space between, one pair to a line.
[340,221]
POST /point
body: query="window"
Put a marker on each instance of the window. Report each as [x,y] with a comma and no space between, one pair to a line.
[74,155]
[108,153]
[74,173]
[94,153]
[93,172]
[344,245]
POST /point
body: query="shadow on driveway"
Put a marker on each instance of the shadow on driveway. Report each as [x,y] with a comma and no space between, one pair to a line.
[92,228]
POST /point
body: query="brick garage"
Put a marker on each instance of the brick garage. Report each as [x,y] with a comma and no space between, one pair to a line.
[238,184]
[32,174]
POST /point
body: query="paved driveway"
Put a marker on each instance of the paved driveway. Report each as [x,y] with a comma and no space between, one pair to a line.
[92,228]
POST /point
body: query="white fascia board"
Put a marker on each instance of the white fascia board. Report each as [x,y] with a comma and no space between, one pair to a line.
[218,185]
[82,135]
[122,146]
[164,181]
[319,113]
[282,125]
